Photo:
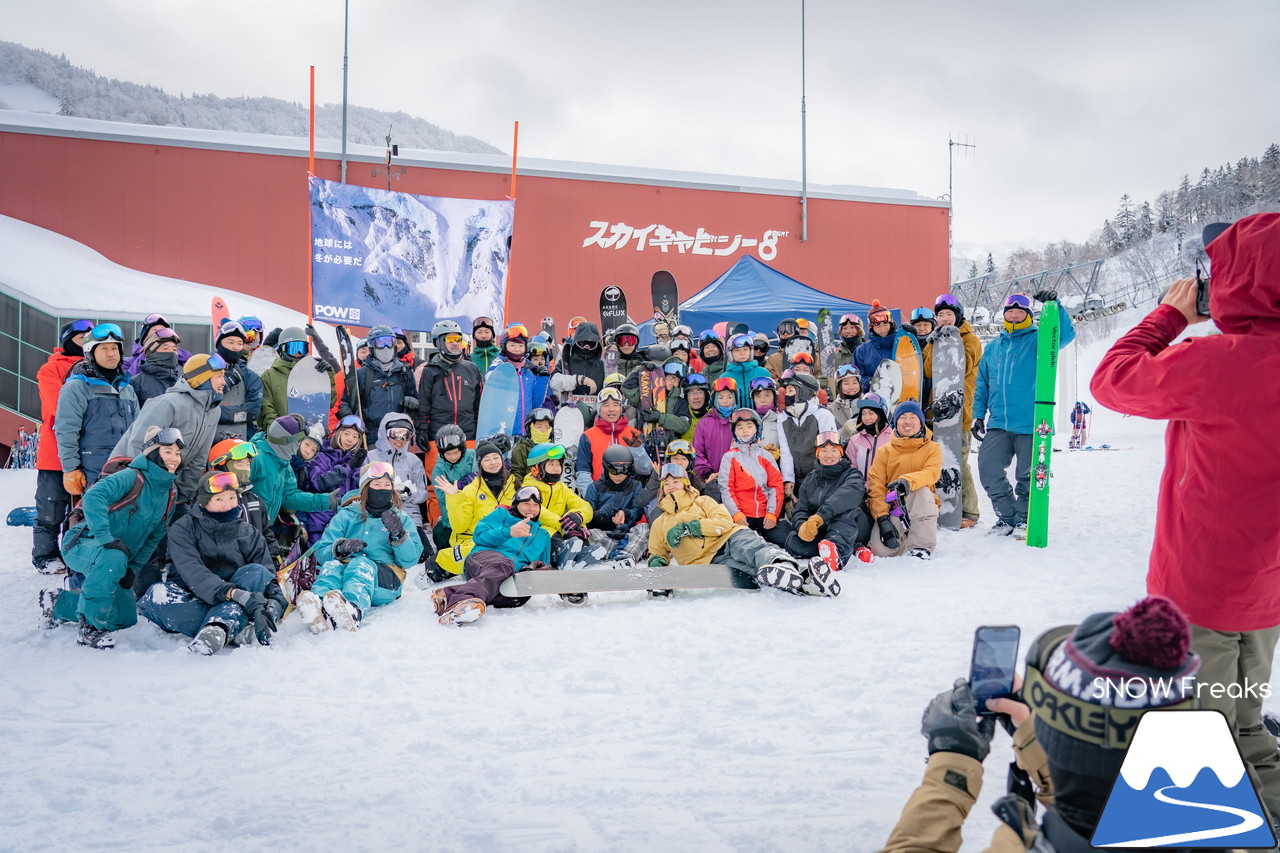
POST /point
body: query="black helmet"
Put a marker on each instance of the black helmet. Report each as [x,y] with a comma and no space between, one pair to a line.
[450,437]
[617,459]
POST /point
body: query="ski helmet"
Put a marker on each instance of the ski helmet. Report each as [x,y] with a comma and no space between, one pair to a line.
[445,327]
[614,380]
[103,333]
[658,353]
[617,459]
[540,455]
[450,437]
[740,415]
[626,329]
[949,302]
[539,414]
[293,343]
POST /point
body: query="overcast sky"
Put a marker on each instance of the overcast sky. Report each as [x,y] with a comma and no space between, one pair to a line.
[1070,106]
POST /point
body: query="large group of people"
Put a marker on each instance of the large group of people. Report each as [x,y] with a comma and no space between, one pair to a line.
[755,458]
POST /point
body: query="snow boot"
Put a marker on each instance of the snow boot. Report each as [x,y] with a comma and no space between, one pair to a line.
[1001,528]
[966,523]
[209,640]
[577,599]
[861,554]
[343,613]
[827,552]
[51,566]
[461,612]
[821,579]
[661,593]
[921,553]
[311,610]
[94,638]
[244,637]
[432,574]
[784,576]
[1020,530]
[48,599]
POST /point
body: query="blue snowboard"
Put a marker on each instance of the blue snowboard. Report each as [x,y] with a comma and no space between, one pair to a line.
[499,402]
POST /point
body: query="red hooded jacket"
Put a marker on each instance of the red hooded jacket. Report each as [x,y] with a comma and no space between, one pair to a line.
[49,379]
[1217,541]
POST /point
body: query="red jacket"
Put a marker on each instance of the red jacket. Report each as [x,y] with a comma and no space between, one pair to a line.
[50,378]
[1217,542]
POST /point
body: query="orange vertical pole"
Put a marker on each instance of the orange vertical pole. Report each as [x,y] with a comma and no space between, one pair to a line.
[311,163]
[515,147]
[311,170]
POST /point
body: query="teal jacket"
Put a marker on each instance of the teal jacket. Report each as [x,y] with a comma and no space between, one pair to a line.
[453,473]
[1005,393]
[350,522]
[743,372]
[274,481]
[139,526]
[493,533]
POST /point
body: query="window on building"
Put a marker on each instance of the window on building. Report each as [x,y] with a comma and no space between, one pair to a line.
[38,328]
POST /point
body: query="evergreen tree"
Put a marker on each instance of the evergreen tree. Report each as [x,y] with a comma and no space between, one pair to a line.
[1145,224]
[1125,221]
[973,270]
[991,264]
[1110,238]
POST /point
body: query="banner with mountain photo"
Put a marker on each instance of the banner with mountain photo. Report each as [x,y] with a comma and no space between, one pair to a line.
[379,256]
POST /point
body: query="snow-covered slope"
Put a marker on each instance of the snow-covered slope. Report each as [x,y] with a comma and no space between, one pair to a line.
[714,721]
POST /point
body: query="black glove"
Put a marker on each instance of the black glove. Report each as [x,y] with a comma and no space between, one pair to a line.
[1046,295]
[888,533]
[273,592]
[978,430]
[951,724]
[278,549]
[117,545]
[335,498]
[409,404]
[255,604]
[571,522]
[650,416]
[893,486]
[273,337]
[395,528]
[323,366]
[126,582]
[348,547]
[357,458]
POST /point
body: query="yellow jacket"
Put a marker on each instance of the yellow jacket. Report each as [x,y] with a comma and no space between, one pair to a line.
[557,499]
[684,506]
[916,460]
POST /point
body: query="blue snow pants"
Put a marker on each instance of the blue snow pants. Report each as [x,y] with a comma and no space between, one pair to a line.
[175,609]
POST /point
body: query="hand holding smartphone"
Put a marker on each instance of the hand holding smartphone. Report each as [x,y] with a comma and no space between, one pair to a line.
[993,664]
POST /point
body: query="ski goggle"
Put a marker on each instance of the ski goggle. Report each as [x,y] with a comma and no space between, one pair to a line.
[695,380]
[946,300]
[618,467]
[675,368]
[611,393]
[516,330]
[527,493]
[555,451]
[354,421]
[225,329]
[680,447]
[164,333]
[243,450]
[679,345]
[542,414]
[628,339]
[709,336]
[482,323]
[738,341]
[847,370]
[788,327]
[828,439]
[221,481]
[725,383]
[851,320]
[374,470]
[152,319]
[295,348]
[81,326]
[251,324]
[107,332]
[740,415]
[450,441]
[763,383]
[385,341]
[802,358]
[881,320]
[682,331]
[398,433]
[216,362]
[922,314]
[760,346]
[170,437]
[1017,300]
[672,471]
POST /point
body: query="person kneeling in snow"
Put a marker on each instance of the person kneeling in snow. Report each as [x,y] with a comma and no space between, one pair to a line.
[693,529]
[828,518]
[364,553]
[615,507]
[220,588]
[564,514]
[507,540]
[909,466]
[116,539]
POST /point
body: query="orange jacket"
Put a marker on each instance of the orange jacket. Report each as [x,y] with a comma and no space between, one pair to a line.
[916,460]
[50,378]
[742,490]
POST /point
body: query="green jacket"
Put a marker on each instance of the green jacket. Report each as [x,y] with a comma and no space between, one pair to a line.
[139,526]
[484,357]
[275,392]
[274,481]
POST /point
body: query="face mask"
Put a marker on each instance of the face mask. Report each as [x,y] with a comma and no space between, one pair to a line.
[384,355]
[795,409]
[227,355]
[167,360]
[764,409]
[725,411]
[378,500]
[540,434]
[1013,327]
[225,516]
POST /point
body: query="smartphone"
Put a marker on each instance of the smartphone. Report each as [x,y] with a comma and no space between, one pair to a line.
[1202,293]
[995,657]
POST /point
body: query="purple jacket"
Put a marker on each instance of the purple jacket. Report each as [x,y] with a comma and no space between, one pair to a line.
[712,438]
[330,469]
[133,363]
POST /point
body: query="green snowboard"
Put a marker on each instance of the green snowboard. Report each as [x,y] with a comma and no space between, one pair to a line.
[1047,339]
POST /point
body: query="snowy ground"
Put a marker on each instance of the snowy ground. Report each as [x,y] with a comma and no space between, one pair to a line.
[716,721]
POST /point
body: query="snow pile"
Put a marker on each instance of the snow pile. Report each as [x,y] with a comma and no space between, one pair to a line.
[713,721]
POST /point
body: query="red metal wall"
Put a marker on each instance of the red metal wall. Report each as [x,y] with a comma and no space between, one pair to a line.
[238,221]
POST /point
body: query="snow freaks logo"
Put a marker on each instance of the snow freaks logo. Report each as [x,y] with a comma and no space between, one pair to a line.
[334,312]
[1183,784]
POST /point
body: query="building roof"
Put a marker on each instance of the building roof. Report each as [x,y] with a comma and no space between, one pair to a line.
[14,121]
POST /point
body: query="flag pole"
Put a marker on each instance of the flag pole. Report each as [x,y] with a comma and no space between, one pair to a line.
[311,171]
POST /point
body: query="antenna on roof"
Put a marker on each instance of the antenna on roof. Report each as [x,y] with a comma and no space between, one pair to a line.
[952,145]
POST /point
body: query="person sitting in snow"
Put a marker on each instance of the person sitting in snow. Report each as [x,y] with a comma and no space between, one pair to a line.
[237,457]
[610,428]
[507,540]
[455,461]
[802,419]
[615,507]
[220,587]
[871,432]
[693,529]
[564,513]
[678,452]
[908,467]
[363,555]
[395,445]
[116,539]
[468,501]
[335,467]
[829,519]
[751,487]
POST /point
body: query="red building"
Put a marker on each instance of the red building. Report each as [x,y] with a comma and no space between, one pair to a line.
[230,210]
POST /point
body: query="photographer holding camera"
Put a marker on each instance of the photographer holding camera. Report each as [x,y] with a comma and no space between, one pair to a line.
[1071,767]
[1216,552]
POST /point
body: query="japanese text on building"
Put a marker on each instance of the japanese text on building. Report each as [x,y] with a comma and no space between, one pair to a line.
[621,235]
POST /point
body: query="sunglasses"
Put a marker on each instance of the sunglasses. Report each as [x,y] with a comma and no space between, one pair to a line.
[383,341]
[222,481]
[107,331]
[295,347]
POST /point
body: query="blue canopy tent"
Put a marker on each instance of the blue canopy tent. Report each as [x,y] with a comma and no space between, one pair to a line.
[754,293]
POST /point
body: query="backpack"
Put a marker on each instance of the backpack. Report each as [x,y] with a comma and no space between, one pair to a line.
[76,526]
